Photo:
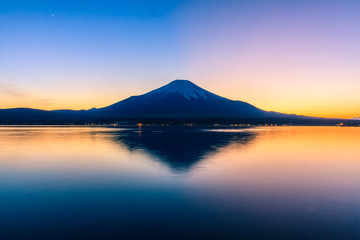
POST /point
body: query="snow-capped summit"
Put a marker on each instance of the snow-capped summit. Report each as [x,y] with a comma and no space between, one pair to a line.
[185,88]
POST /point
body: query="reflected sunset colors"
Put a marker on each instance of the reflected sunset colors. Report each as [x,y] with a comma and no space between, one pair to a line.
[279,180]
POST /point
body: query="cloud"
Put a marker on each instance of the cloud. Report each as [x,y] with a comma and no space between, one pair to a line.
[21,95]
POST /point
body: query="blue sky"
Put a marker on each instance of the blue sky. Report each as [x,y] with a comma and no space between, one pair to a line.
[290,56]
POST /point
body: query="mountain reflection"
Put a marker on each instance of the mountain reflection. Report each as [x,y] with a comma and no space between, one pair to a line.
[180,148]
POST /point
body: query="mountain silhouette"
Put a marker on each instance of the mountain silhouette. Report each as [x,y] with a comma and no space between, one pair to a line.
[180,148]
[180,99]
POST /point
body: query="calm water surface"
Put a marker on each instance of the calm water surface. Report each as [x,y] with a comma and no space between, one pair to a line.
[179,183]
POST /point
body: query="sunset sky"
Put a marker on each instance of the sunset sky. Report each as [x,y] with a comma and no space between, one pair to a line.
[298,56]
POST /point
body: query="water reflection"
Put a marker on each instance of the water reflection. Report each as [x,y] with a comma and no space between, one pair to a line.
[111,183]
[180,149]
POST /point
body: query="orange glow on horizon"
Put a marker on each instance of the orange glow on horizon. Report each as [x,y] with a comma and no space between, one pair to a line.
[312,106]
[307,107]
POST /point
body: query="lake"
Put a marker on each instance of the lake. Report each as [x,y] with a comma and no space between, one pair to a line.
[179,183]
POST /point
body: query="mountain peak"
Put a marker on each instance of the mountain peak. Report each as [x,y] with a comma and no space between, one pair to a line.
[181,81]
[181,99]
[184,87]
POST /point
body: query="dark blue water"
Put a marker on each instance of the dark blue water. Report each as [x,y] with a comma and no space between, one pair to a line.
[179,183]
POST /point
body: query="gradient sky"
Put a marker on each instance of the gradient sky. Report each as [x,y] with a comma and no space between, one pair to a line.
[299,56]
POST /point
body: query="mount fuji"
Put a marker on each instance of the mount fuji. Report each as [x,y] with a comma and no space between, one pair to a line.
[180,99]
[183,99]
